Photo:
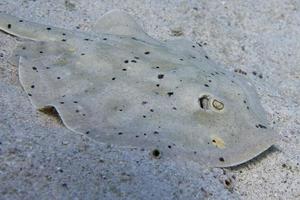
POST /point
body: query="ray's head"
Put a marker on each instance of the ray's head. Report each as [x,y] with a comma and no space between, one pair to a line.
[228,108]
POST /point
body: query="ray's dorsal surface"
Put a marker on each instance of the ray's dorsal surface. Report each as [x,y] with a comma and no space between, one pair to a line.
[120,86]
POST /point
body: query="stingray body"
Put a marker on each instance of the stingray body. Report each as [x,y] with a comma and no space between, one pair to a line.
[120,86]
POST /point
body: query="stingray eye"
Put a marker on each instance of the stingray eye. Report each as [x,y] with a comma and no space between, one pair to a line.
[204,102]
[208,103]
[217,105]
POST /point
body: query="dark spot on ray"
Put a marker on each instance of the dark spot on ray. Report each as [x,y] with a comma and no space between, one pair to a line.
[206,85]
[170,93]
[124,69]
[147,52]
[126,61]
[200,45]
[104,38]
[120,110]
[48,28]
[32,86]
[120,133]
[160,76]
[9,26]
[156,153]
[86,39]
[221,159]
[261,126]
[157,85]
[58,77]
[206,57]
[240,71]
[113,78]
[29,94]
[63,34]
[227,182]
[133,61]
[61,102]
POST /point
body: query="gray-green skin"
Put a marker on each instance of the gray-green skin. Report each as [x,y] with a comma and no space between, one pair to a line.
[120,86]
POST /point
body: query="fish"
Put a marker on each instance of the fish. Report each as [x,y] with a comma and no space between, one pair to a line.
[117,85]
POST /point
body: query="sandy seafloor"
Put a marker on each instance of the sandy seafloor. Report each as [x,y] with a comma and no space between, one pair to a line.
[41,159]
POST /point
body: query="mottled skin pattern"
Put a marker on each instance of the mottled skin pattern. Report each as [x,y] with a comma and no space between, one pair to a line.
[122,87]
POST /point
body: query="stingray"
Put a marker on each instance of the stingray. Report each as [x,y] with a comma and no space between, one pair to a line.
[119,86]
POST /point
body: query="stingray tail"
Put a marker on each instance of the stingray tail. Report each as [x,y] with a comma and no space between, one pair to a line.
[24,29]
